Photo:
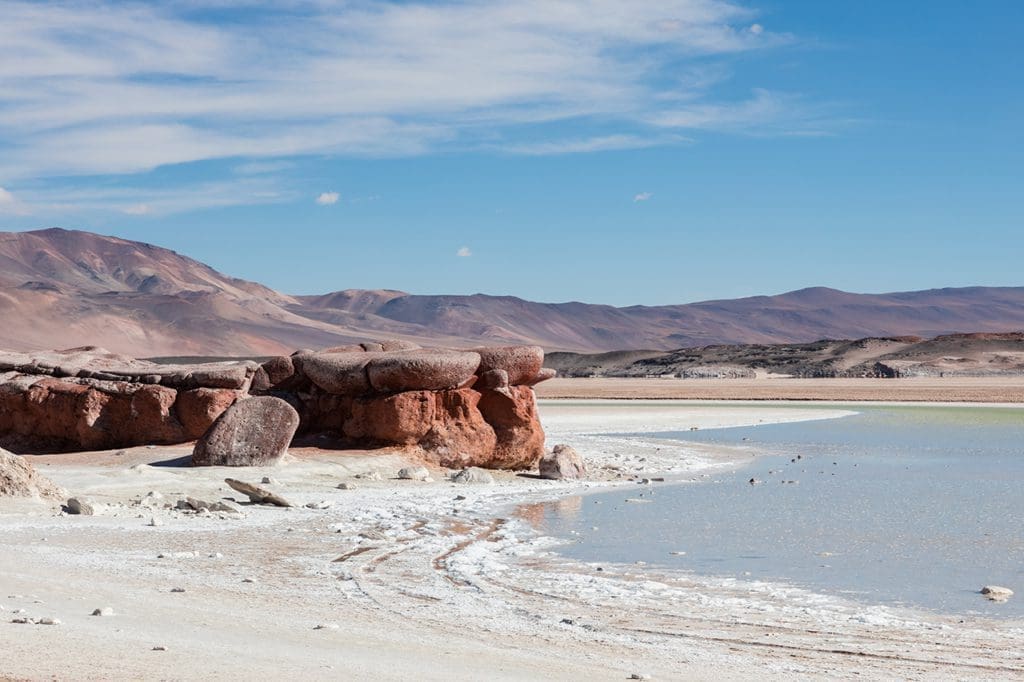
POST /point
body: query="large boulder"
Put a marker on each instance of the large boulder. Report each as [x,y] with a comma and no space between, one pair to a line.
[424,370]
[563,462]
[521,362]
[253,432]
[19,479]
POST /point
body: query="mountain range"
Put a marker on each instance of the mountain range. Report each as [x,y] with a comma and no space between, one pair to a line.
[64,288]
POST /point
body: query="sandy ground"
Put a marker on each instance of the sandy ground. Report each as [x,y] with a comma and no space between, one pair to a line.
[424,580]
[946,389]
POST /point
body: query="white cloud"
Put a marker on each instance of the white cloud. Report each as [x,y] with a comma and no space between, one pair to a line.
[643,196]
[11,204]
[464,252]
[756,29]
[137,209]
[112,87]
[328,198]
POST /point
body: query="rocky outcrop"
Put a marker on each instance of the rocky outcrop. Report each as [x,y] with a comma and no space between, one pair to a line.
[253,432]
[19,479]
[89,399]
[462,408]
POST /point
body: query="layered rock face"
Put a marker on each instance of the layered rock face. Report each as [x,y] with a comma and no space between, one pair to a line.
[464,408]
[89,399]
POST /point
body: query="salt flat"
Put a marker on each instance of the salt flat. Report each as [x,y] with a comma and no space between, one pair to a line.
[413,580]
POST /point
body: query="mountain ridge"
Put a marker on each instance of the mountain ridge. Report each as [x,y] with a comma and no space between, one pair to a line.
[63,288]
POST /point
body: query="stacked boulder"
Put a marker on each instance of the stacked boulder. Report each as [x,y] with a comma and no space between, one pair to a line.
[463,407]
[90,399]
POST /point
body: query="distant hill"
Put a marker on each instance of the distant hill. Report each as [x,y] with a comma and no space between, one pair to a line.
[63,288]
[949,355]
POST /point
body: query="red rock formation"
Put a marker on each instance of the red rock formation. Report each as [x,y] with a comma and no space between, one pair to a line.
[463,408]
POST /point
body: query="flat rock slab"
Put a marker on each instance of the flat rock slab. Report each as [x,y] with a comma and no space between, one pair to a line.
[522,363]
[252,432]
[424,370]
[256,494]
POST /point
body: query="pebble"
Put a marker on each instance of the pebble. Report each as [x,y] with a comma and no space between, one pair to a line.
[327,626]
[248,580]
[105,611]
[177,589]
[414,474]
[159,648]
[346,486]
[154,521]
[639,676]
[322,504]
[996,592]
[371,476]
[267,480]
[49,621]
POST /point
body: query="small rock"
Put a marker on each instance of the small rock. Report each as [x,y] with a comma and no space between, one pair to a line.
[155,521]
[81,505]
[267,480]
[371,476]
[563,462]
[177,590]
[414,474]
[473,475]
[49,621]
[159,648]
[322,504]
[346,486]
[248,580]
[105,611]
[327,626]
[639,676]
[997,593]
[256,494]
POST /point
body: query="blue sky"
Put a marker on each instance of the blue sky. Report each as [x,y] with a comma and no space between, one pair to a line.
[651,151]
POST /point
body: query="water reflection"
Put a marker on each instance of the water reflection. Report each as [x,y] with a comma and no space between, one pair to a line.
[564,510]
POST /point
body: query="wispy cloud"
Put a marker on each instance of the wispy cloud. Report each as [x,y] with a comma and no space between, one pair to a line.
[643,196]
[122,88]
[464,252]
[139,200]
[328,198]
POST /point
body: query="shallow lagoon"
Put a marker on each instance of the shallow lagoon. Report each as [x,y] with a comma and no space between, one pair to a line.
[917,506]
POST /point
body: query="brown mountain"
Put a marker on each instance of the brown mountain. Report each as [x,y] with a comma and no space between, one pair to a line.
[62,288]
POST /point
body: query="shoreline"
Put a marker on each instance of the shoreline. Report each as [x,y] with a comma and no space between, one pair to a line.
[971,390]
[408,579]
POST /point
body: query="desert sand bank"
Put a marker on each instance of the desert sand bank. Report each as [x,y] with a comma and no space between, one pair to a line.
[946,389]
[423,580]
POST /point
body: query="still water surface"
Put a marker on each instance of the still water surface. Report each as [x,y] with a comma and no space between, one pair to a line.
[920,506]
